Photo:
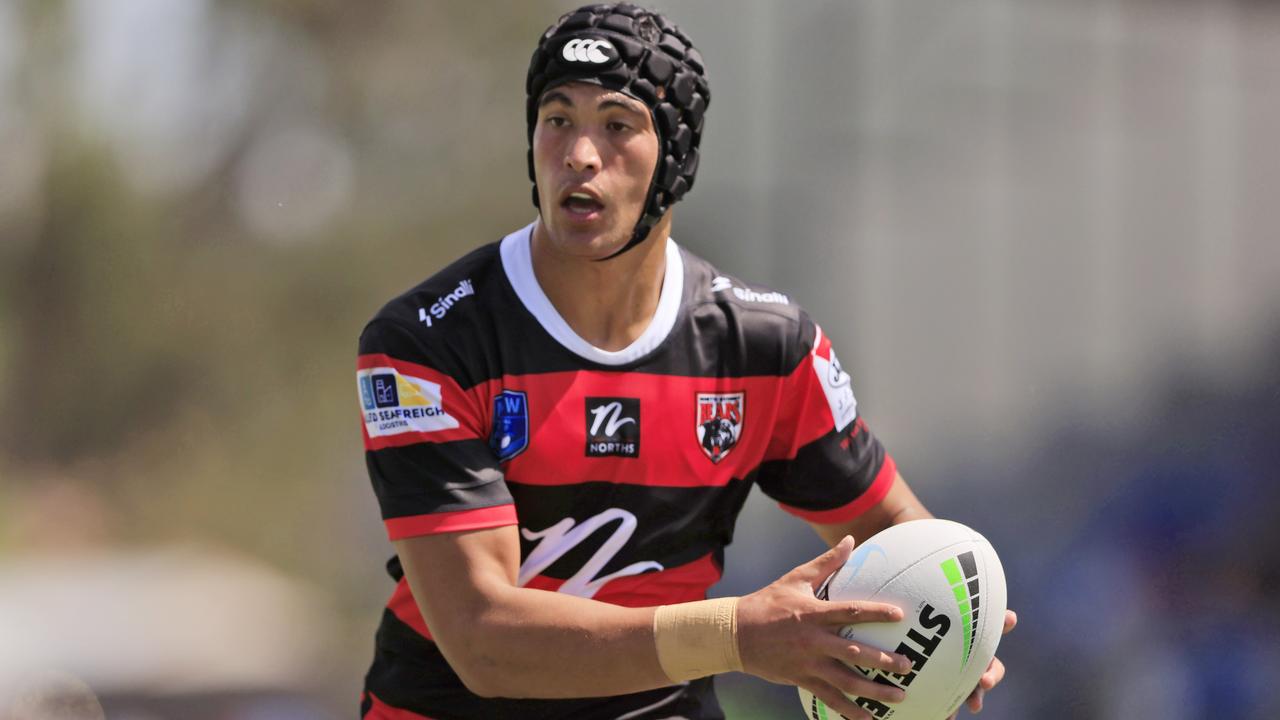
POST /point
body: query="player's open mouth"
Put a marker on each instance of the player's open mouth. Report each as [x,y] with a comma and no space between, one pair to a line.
[582,206]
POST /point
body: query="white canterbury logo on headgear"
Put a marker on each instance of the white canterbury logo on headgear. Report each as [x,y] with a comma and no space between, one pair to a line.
[586,50]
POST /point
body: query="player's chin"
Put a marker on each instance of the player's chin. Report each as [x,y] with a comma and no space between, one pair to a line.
[591,240]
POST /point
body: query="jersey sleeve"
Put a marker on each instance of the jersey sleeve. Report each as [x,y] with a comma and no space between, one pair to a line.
[823,464]
[425,440]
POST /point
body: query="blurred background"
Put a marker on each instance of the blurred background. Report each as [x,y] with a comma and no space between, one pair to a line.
[1043,234]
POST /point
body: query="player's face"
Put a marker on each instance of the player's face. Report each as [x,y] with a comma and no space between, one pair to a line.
[594,153]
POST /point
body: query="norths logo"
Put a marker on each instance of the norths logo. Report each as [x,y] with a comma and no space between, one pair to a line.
[613,427]
[962,575]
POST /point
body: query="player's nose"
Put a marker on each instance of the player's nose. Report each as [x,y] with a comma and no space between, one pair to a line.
[582,156]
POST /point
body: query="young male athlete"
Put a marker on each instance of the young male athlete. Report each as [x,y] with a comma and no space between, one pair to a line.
[562,427]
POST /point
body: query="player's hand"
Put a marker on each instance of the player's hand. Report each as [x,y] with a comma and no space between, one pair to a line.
[994,673]
[786,635]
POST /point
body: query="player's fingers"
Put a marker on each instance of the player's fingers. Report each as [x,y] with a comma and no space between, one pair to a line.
[817,570]
[1010,620]
[858,611]
[852,682]
[974,701]
[866,656]
[836,700]
[993,675]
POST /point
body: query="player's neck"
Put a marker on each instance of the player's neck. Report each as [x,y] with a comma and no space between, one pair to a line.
[608,303]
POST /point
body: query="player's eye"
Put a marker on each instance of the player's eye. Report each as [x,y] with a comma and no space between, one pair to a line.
[618,126]
[556,120]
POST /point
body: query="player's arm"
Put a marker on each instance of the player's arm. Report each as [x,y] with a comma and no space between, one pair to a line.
[508,641]
[899,505]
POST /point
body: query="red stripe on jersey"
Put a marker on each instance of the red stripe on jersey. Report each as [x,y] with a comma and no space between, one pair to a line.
[468,407]
[806,415]
[379,710]
[455,521]
[684,583]
[864,502]
[821,344]
[670,452]
[405,608]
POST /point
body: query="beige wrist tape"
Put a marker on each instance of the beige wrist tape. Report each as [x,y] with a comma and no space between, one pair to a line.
[697,639]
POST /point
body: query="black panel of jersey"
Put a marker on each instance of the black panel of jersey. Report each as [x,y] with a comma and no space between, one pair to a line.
[625,471]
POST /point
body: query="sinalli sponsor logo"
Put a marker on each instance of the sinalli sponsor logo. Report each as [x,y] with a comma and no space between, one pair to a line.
[442,304]
[722,283]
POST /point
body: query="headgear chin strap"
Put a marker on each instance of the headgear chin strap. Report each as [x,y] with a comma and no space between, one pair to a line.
[639,52]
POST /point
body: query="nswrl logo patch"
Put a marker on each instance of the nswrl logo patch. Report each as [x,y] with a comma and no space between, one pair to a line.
[510,434]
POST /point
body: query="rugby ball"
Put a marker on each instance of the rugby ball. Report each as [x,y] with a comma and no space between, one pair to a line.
[949,583]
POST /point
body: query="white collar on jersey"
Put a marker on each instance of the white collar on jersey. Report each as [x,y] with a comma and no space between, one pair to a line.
[517,261]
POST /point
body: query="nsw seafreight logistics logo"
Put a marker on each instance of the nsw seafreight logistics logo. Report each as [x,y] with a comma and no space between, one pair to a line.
[510,434]
[396,403]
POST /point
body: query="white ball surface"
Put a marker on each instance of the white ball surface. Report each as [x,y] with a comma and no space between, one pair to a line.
[950,585]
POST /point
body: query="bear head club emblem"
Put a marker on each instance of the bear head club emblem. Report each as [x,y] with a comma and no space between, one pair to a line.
[719,422]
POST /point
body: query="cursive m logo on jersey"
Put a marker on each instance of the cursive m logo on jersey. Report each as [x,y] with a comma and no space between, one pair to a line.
[613,427]
[562,537]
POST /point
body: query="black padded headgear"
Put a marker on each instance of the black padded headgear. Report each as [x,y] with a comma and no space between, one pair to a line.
[639,52]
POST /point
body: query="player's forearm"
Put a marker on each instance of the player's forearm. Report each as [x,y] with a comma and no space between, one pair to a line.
[898,506]
[528,643]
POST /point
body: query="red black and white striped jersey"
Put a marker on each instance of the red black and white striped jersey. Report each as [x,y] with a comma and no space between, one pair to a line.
[625,471]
